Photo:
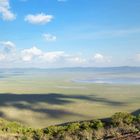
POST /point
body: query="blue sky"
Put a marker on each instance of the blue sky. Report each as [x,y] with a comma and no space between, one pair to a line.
[63,33]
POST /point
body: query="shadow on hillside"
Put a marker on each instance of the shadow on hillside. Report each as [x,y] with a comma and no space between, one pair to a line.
[136,112]
[29,101]
[52,98]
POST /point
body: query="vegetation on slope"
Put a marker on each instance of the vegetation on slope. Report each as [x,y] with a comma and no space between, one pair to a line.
[120,125]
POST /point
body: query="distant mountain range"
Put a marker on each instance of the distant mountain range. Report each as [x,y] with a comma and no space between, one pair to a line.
[99,69]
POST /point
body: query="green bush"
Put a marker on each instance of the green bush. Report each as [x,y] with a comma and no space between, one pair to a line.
[138,118]
[121,118]
[51,130]
[95,129]
[96,124]
[24,138]
[137,122]
[85,125]
[72,127]
[37,134]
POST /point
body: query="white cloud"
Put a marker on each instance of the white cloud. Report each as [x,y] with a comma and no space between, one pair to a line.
[38,18]
[35,53]
[8,46]
[35,57]
[75,59]
[52,56]
[5,11]
[55,57]
[2,57]
[49,37]
[99,58]
[61,57]
[29,54]
[137,57]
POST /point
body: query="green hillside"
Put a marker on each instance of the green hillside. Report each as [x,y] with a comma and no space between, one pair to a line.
[120,125]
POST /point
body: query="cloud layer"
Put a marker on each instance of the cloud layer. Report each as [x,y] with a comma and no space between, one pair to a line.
[38,18]
[8,46]
[100,58]
[5,11]
[60,57]
[49,37]
[35,57]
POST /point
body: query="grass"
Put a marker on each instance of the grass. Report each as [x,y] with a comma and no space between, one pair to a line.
[47,100]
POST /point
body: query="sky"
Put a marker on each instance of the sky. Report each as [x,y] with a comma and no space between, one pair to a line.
[69,33]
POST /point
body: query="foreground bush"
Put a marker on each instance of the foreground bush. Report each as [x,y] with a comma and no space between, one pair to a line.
[121,118]
[119,125]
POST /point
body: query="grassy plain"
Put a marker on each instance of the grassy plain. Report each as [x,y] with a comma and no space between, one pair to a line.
[40,100]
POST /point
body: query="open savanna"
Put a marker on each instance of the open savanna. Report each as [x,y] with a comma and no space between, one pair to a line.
[42,98]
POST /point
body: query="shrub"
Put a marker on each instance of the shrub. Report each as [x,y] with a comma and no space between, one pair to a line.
[73,127]
[37,134]
[113,132]
[121,118]
[96,124]
[85,134]
[24,138]
[99,134]
[85,125]
[51,130]
[137,122]
[123,123]
[138,118]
